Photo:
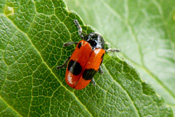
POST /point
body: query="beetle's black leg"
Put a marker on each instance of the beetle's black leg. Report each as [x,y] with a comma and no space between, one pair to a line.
[112,50]
[79,28]
[93,82]
[69,43]
[64,64]
[100,70]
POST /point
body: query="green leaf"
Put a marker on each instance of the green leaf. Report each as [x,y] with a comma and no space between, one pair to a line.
[144,31]
[32,34]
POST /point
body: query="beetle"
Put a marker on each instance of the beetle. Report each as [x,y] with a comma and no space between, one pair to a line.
[86,59]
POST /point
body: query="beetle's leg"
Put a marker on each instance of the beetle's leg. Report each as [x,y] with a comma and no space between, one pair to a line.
[93,81]
[100,70]
[79,28]
[69,43]
[64,64]
[112,50]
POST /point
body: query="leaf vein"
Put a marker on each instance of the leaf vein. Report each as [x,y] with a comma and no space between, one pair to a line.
[10,106]
[50,68]
[135,107]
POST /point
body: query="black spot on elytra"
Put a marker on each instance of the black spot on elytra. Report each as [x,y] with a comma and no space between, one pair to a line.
[89,73]
[74,67]
[79,45]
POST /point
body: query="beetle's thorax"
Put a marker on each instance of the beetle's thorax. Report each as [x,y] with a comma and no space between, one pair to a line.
[95,40]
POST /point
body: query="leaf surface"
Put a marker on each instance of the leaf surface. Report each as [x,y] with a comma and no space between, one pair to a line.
[144,31]
[32,34]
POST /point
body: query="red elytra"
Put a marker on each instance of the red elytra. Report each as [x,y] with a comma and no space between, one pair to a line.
[88,59]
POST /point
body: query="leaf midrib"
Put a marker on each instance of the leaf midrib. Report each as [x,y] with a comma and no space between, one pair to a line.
[49,67]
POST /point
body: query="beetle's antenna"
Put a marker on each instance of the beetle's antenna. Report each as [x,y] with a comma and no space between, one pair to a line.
[79,28]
